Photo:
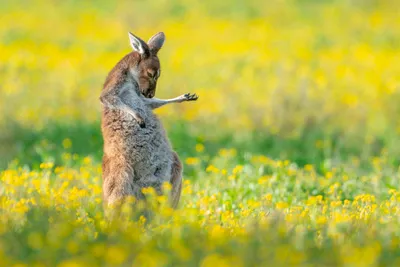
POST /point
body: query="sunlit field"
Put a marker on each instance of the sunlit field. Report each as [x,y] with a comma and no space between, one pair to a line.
[291,154]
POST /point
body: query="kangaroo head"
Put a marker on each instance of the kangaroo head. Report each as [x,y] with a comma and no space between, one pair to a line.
[147,69]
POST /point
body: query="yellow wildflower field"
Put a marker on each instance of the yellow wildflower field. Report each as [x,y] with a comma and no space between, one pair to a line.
[290,153]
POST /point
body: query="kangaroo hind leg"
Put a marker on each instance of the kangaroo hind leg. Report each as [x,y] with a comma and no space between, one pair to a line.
[117,182]
[176,181]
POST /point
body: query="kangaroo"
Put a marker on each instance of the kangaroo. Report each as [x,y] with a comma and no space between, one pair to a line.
[137,152]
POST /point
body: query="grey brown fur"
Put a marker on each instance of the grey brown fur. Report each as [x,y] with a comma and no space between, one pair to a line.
[137,152]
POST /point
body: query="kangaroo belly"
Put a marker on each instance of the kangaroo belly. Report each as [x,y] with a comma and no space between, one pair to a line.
[152,159]
[146,150]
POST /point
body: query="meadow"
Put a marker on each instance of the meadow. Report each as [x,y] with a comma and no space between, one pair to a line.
[290,154]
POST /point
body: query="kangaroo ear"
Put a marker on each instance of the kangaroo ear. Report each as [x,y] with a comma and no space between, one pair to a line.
[156,42]
[138,45]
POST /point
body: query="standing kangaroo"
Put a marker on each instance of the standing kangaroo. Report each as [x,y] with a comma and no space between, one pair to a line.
[137,152]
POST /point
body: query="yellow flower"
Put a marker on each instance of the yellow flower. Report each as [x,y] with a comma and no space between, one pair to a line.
[309,167]
[192,161]
[87,160]
[46,165]
[281,205]
[67,143]
[115,255]
[263,179]
[392,191]
[71,263]
[149,191]
[227,152]
[199,148]
[217,260]
[72,247]
[212,168]
[237,169]
[268,197]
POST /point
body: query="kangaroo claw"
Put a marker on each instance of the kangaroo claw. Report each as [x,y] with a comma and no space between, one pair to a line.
[191,97]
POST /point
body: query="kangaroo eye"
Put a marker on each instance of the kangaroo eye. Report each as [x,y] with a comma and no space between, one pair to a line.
[150,74]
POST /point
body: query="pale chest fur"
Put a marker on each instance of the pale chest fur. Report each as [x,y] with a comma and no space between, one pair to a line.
[147,151]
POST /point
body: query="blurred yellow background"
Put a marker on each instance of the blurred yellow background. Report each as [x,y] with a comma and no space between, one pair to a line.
[328,69]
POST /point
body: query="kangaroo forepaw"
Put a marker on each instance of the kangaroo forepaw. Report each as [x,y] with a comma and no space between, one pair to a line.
[190,97]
